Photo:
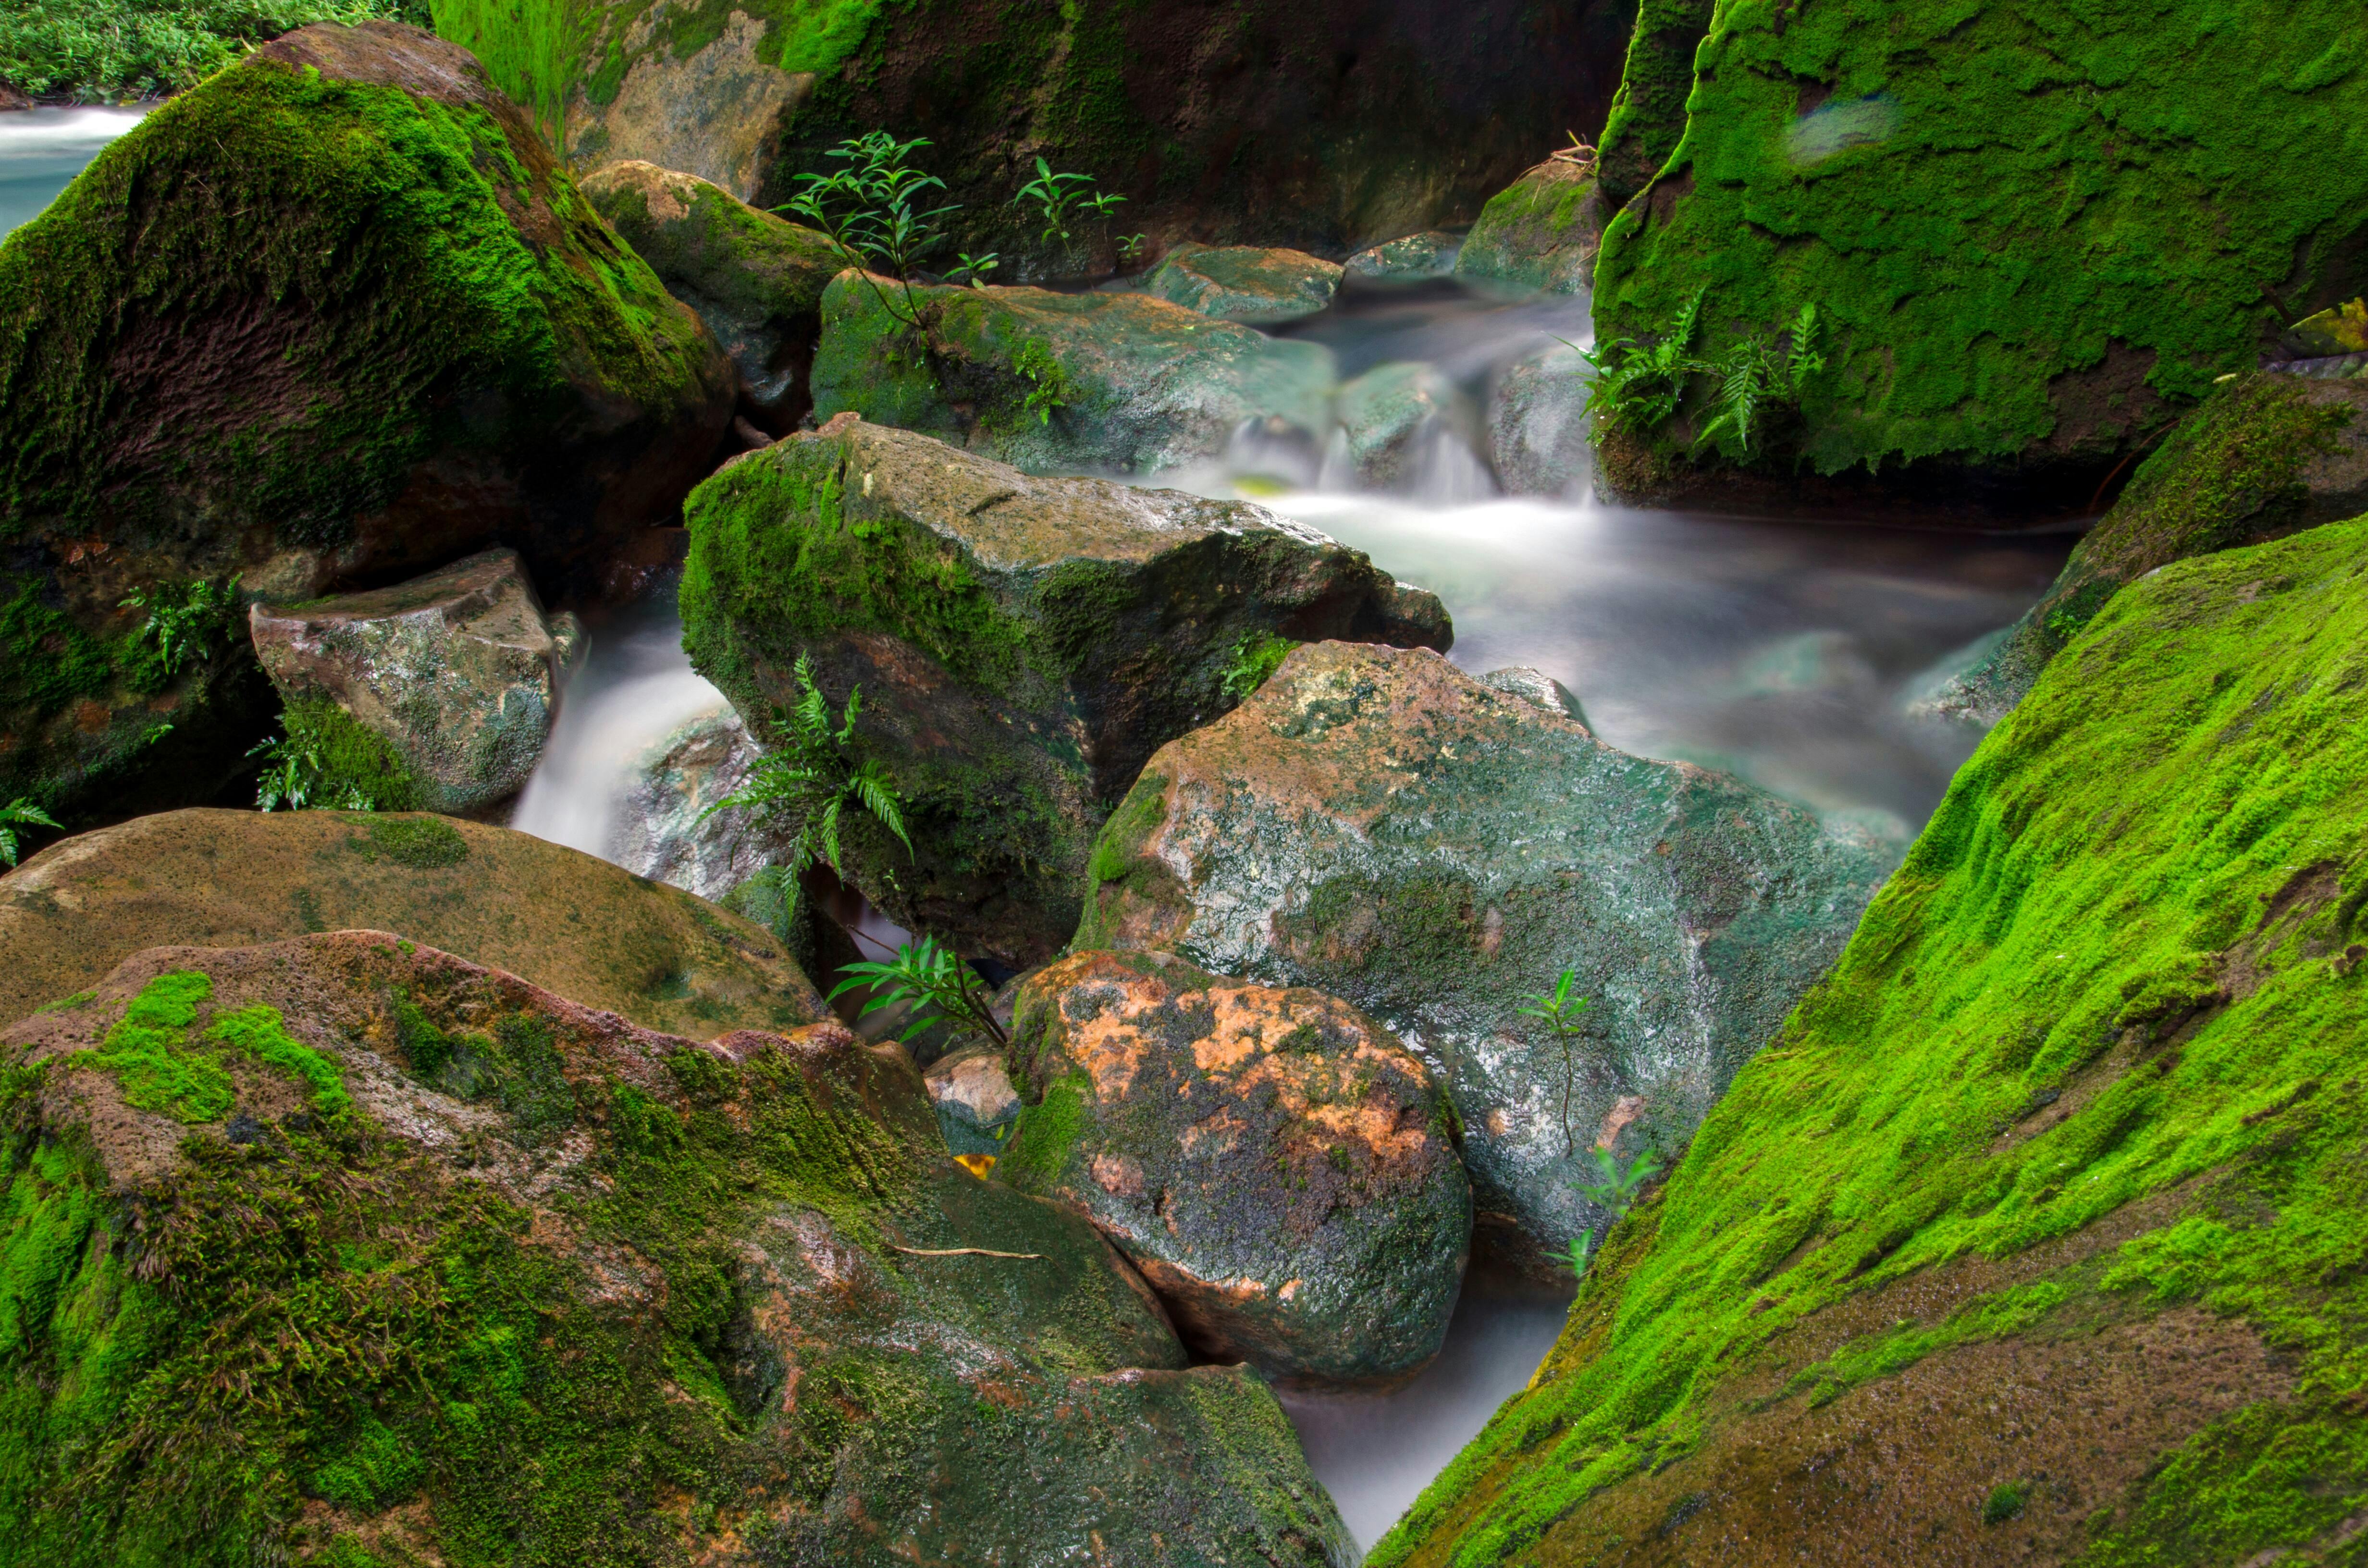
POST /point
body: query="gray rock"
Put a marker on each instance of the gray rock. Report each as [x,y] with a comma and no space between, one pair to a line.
[662,830]
[1022,645]
[1393,415]
[1408,260]
[1541,232]
[1111,383]
[755,280]
[457,670]
[1382,827]
[977,1107]
[1537,687]
[1245,283]
[1537,424]
[1277,1166]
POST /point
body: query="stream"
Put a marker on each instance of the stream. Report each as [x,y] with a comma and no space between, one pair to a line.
[42,149]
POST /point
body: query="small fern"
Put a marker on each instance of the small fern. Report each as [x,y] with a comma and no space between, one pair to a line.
[812,776]
[19,812]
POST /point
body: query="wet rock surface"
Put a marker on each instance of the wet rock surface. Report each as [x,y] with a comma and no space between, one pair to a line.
[1538,424]
[1542,231]
[335,318]
[559,917]
[755,278]
[731,1295]
[1277,1166]
[460,671]
[977,1105]
[1379,825]
[664,831]
[1392,414]
[1245,283]
[1109,383]
[1408,260]
[2264,457]
[1021,646]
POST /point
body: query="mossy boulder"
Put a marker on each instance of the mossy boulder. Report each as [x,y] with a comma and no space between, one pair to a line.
[1996,216]
[1115,382]
[755,278]
[663,829]
[1435,850]
[1278,1167]
[344,1250]
[1648,112]
[1393,415]
[1245,283]
[1021,646]
[2038,1235]
[559,917]
[1410,258]
[2265,456]
[459,672]
[1542,231]
[1324,127]
[334,317]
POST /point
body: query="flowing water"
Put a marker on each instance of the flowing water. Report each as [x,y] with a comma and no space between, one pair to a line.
[1786,652]
[42,149]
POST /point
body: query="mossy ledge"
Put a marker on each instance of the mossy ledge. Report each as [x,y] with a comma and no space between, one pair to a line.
[2052,1186]
[1994,211]
[346,1252]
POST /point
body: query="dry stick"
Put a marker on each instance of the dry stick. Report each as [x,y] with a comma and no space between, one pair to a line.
[962,1252]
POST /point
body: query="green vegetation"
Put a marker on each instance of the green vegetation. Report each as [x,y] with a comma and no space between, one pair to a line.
[2005,1502]
[2122,966]
[1638,387]
[150,1053]
[1941,182]
[1559,1011]
[188,622]
[1648,114]
[1063,199]
[15,815]
[937,985]
[868,211]
[1255,658]
[104,51]
[322,759]
[814,777]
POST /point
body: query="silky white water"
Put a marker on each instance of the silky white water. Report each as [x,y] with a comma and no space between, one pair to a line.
[42,149]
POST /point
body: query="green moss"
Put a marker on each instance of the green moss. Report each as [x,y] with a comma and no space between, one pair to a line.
[1045,1139]
[354,763]
[2005,1502]
[146,1051]
[423,843]
[1994,211]
[1140,815]
[1648,114]
[2142,902]
[262,1033]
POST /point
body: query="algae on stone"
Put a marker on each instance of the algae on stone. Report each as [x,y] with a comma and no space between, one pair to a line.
[1996,213]
[1021,645]
[2055,1180]
[1542,231]
[448,1268]
[1245,283]
[333,314]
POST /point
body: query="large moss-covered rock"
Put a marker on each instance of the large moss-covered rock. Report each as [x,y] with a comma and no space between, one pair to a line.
[755,278]
[344,1250]
[1245,283]
[1942,184]
[1021,645]
[1542,231]
[1118,382]
[332,318]
[1648,112]
[2264,456]
[1326,126]
[1277,1166]
[2038,1236]
[559,917]
[1382,827]
[458,671]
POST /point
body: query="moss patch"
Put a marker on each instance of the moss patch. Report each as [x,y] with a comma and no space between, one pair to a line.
[2119,976]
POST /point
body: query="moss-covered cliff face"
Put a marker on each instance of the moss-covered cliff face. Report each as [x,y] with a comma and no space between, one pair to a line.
[2039,1235]
[334,315]
[2034,230]
[1328,126]
[346,1252]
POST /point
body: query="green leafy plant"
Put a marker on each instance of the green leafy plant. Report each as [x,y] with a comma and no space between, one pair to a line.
[1063,199]
[1559,1011]
[1637,386]
[1582,1247]
[813,778]
[102,51]
[870,211]
[972,269]
[1616,1192]
[1048,381]
[294,779]
[187,622]
[1255,658]
[937,984]
[18,813]
[1754,374]
[1129,248]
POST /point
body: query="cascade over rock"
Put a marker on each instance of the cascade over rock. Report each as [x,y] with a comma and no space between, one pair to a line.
[330,319]
[459,671]
[1941,185]
[2265,456]
[556,917]
[1325,127]
[1021,645]
[562,1279]
[755,278]
[1389,415]
[1118,382]
[1277,1166]
[1380,826]
[2038,1235]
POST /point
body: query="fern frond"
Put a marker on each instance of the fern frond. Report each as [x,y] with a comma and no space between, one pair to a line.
[828,831]
[878,793]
